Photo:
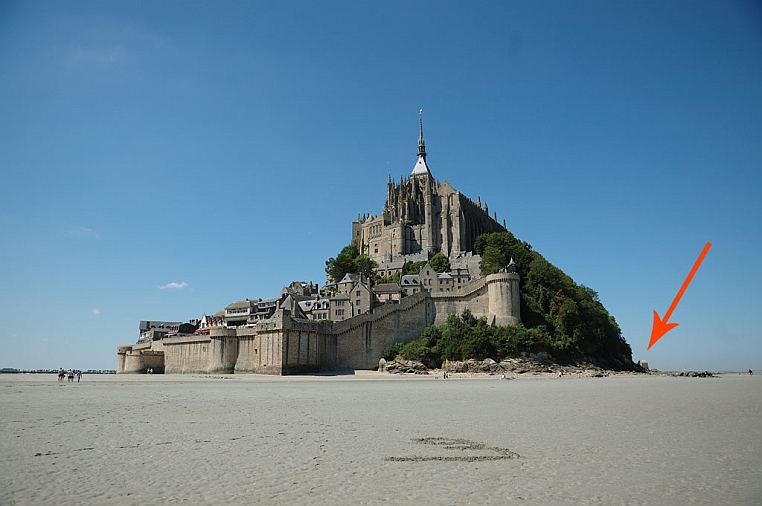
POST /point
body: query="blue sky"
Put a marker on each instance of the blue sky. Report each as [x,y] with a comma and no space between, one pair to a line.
[159,160]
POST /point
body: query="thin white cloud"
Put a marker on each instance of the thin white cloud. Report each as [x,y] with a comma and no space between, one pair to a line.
[83,233]
[79,56]
[97,43]
[96,311]
[178,286]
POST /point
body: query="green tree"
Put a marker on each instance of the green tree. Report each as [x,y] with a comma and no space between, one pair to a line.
[337,268]
[390,278]
[364,265]
[440,262]
[510,247]
[414,267]
[391,351]
[492,260]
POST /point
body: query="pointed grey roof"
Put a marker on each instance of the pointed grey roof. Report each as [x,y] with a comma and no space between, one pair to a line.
[420,165]
[288,303]
[410,279]
[350,277]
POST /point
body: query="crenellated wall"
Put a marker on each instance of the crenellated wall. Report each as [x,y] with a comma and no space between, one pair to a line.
[285,345]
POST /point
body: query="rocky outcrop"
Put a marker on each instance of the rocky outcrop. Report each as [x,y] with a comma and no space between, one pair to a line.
[529,365]
[399,365]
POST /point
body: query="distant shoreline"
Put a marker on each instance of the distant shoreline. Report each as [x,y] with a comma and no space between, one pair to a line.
[12,370]
[432,373]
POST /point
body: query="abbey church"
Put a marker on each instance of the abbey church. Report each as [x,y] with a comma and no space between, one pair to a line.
[423,217]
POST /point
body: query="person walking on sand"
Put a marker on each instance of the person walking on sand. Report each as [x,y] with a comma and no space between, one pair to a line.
[79,375]
[751,373]
[61,374]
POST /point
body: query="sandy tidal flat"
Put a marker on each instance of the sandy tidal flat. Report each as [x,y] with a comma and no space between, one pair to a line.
[373,438]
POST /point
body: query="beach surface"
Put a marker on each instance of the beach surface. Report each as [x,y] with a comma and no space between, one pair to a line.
[375,438]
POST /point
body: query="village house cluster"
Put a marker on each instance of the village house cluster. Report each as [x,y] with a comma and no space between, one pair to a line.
[352,296]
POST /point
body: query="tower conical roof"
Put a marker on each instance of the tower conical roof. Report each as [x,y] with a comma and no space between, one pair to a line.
[420,166]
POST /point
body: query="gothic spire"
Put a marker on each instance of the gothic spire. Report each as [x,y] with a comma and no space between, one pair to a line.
[421,143]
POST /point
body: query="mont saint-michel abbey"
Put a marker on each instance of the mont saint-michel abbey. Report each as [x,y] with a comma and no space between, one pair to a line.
[422,217]
[347,323]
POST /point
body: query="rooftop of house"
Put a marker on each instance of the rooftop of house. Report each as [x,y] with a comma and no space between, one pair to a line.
[386,288]
[240,304]
[150,324]
[350,277]
[410,279]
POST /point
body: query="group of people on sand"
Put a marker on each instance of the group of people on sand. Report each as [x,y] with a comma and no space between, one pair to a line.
[70,375]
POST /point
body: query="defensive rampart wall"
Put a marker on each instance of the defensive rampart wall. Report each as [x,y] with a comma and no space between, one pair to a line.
[286,345]
[138,358]
[187,354]
[496,298]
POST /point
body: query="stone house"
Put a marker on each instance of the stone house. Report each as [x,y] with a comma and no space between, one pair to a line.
[316,309]
[348,281]
[410,284]
[428,278]
[328,289]
[460,277]
[301,288]
[362,299]
[387,293]
[238,313]
[341,307]
[321,310]
[444,282]
[215,320]
[432,281]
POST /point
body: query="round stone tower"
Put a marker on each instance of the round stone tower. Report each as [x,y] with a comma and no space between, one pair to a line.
[504,296]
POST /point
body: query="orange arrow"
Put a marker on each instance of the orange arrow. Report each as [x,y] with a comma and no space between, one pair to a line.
[661,326]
